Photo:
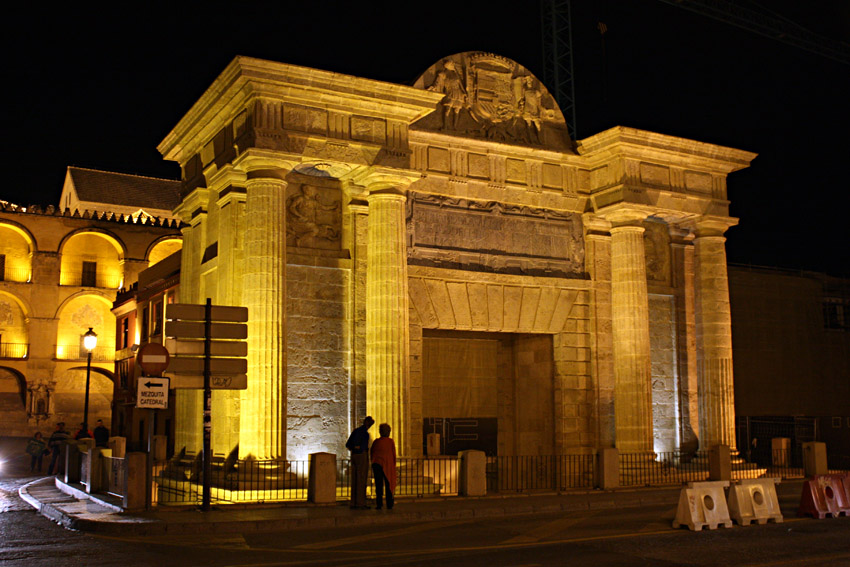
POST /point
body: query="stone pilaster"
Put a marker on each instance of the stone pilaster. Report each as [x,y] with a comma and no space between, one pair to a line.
[714,335]
[630,329]
[263,424]
[387,314]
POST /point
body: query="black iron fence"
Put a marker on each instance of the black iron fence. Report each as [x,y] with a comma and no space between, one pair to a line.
[659,469]
[180,481]
[540,472]
[14,350]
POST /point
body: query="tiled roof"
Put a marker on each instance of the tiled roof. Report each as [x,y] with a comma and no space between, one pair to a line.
[123,189]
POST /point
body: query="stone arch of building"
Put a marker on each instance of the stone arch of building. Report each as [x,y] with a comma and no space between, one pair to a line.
[103,296]
[157,244]
[95,370]
[21,381]
[22,302]
[23,231]
[107,235]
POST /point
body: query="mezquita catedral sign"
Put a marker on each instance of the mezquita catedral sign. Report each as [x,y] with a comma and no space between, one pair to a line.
[444,258]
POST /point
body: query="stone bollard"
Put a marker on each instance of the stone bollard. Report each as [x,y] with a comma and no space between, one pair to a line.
[321,484]
[720,463]
[780,451]
[160,445]
[814,459]
[432,449]
[472,479]
[118,446]
[608,471]
[134,481]
[97,474]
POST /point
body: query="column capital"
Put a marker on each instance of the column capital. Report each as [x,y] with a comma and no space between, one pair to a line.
[624,216]
[378,180]
[711,225]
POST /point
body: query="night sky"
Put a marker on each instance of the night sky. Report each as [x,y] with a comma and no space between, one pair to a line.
[100,86]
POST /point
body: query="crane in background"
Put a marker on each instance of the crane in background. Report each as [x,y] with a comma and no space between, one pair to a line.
[556,28]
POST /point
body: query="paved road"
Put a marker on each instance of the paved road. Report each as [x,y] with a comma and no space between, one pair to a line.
[599,538]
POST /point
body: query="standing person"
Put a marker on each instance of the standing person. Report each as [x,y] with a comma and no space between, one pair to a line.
[36,448]
[82,433]
[358,444]
[101,435]
[57,439]
[383,467]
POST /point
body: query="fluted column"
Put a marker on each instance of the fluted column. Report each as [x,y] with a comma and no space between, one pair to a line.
[263,417]
[630,330]
[714,336]
[386,314]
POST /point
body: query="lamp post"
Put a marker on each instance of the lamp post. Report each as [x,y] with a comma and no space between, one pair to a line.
[90,342]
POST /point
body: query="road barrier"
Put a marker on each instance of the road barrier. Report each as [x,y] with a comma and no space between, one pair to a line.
[754,500]
[824,495]
[703,504]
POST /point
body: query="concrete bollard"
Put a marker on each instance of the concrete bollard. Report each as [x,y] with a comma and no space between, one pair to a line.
[472,480]
[720,463]
[160,446]
[433,444]
[608,471]
[321,484]
[118,446]
[814,459]
[97,476]
[780,451]
[134,481]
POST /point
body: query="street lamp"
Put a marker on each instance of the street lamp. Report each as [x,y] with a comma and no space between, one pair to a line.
[89,341]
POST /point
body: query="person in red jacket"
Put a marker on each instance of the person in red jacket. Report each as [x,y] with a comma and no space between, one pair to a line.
[383,467]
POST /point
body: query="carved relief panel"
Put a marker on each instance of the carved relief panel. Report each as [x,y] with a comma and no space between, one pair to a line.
[493,237]
[313,217]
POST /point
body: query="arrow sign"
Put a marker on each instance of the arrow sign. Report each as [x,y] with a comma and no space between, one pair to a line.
[152,393]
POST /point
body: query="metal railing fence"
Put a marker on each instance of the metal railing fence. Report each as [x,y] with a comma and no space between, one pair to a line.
[78,352]
[18,275]
[250,480]
[540,472]
[14,350]
[664,468]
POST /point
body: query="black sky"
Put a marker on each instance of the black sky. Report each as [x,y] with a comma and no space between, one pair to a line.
[100,86]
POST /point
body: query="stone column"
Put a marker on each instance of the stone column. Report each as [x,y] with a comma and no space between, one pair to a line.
[386,313]
[630,329]
[714,335]
[262,431]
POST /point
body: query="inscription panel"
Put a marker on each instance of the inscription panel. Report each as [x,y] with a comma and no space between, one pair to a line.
[493,237]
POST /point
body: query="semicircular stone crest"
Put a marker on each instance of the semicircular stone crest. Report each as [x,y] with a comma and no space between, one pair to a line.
[494,98]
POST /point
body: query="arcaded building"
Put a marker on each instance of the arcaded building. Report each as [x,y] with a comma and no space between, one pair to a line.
[60,270]
[443,257]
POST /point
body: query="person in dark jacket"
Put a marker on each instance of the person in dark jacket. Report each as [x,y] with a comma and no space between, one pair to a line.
[358,444]
[57,440]
[36,448]
[101,435]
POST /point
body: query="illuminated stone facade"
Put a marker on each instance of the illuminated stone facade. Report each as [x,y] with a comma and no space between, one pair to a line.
[60,271]
[444,256]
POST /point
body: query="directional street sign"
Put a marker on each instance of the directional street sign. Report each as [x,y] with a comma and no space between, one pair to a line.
[195,330]
[190,312]
[179,347]
[187,382]
[152,393]
[217,366]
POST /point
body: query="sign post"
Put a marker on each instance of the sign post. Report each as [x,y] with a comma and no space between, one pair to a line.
[217,361]
[151,394]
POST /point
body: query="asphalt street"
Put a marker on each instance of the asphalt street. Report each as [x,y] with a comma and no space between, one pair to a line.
[637,536]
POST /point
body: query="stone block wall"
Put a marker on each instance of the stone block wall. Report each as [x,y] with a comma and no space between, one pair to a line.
[318,347]
[665,391]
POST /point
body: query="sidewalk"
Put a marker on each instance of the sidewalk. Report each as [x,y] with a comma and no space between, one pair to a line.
[72,508]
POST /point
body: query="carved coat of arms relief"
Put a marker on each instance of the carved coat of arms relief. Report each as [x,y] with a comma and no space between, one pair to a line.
[495,98]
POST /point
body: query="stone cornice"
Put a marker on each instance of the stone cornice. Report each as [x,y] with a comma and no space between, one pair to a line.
[247,79]
[626,142]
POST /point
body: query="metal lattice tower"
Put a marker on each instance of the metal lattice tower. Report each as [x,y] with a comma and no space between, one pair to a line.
[556,33]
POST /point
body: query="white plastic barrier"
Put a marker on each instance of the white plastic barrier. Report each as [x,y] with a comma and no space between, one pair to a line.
[754,500]
[703,504]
